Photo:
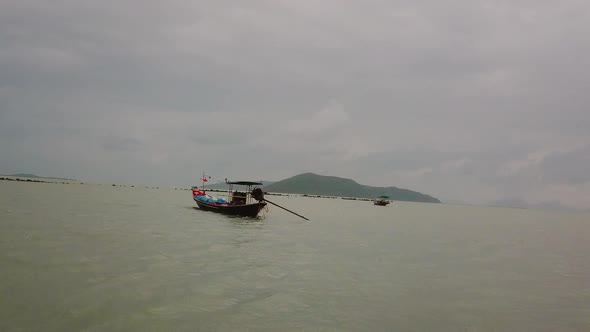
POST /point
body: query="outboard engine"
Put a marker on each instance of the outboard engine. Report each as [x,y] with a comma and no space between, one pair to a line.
[258,194]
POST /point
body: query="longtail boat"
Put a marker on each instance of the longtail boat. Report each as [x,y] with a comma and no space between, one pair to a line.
[247,203]
[239,203]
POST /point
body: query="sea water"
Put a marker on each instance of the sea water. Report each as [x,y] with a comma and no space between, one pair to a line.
[88,257]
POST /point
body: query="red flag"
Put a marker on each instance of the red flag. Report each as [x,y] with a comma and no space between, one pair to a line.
[204,179]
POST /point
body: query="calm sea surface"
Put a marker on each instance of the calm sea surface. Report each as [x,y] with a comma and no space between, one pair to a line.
[101,258]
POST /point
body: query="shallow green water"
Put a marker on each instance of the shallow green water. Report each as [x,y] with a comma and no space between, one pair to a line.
[100,258]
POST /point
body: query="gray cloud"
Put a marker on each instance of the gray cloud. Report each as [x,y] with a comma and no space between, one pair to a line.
[470,101]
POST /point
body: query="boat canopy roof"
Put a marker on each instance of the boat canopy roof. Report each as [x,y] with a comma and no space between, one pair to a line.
[245,183]
[383,196]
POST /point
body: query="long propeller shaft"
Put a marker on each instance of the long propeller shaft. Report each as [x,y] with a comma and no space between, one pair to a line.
[266,200]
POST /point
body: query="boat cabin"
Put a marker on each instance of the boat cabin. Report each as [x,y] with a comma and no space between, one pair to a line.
[241,197]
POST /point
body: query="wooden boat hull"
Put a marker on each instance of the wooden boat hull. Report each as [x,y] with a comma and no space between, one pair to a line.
[381,203]
[245,210]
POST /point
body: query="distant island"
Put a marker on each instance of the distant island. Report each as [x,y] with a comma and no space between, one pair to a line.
[314,184]
[33,176]
[309,184]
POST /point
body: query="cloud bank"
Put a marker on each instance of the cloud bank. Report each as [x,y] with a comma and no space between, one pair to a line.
[467,101]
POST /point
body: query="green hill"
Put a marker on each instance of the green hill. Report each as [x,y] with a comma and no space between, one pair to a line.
[313,184]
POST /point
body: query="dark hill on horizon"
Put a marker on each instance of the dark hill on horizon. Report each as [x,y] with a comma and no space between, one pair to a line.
[33,176]
[314,184]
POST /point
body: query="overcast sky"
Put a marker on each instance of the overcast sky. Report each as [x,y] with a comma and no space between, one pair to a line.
[471,101]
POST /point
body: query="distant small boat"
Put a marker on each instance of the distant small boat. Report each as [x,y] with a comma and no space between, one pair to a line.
[381,200]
